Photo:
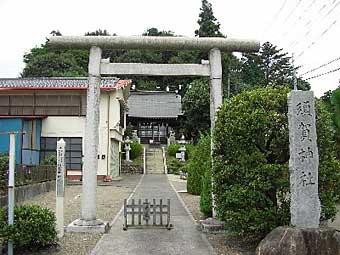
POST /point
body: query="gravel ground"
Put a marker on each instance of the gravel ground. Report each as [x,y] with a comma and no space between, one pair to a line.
[222,244]
[109,202]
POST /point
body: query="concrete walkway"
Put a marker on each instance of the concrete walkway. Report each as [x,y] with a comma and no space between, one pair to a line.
[182,239]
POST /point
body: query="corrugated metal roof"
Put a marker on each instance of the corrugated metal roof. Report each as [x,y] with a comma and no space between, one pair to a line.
[59,83]
[154,104]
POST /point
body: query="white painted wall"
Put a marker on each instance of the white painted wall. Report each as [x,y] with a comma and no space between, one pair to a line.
[103,135]
[63,126]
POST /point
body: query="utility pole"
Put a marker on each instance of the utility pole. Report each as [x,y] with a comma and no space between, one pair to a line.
[294,74]
[228,83]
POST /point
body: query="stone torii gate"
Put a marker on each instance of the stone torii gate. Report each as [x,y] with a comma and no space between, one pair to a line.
[98,66]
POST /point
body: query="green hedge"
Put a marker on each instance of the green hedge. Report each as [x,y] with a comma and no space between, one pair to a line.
[198,164]
[3,172]
[251,176]
[206,196]
[136,150]
[173,149]
[33,226]
[174,165]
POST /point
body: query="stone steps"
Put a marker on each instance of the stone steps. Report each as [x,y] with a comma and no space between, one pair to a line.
[154,161]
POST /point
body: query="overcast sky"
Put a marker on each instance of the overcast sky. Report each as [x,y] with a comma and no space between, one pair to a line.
[309,27]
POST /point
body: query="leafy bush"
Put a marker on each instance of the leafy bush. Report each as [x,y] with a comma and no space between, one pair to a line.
[136,150]
[173,149]
[33,226]
[205,200]
[189,150]
[251,177]
[183,168]
[174,165]
[49,161]
[3,172]
[198,164]
[335,101]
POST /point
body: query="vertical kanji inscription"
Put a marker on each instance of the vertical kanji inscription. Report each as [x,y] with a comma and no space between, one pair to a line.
[304,160]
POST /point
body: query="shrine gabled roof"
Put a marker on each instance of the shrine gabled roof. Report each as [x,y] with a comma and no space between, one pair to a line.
[154,104]
[57,83]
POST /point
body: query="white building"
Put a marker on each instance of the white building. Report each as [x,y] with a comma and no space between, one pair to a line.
[55,108]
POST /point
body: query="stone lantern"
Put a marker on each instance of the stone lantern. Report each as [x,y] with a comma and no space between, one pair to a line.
[182,149]
[127,149]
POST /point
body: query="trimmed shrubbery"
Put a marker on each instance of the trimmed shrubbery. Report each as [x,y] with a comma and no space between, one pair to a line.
[3,172]
[33,227]
[174,165]
[136,150]
[173,149]
[205,200]
[199,176]
[251,177]
[198,164]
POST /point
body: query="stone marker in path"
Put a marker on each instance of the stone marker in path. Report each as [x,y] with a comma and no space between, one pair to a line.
[304,160]
[60,187]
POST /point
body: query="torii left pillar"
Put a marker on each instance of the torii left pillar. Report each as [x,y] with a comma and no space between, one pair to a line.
[88,221]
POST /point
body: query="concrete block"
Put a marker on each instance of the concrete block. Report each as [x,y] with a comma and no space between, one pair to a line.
[212,225]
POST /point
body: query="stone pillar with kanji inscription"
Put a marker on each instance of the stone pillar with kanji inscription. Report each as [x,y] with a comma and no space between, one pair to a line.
[304,160]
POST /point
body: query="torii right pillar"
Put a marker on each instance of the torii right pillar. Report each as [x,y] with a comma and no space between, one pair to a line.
[216,94]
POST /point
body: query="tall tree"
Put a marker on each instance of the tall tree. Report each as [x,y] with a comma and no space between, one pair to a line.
[98,32]
[44,61]
[269,67]
[208,24]
[196,105]
[155,32]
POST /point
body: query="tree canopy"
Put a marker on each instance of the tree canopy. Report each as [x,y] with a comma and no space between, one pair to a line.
[208,24]
[332,102]
[196,107]
[269,67]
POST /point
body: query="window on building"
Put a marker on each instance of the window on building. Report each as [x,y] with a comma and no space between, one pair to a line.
[73,150]
[30,135]
[43,104]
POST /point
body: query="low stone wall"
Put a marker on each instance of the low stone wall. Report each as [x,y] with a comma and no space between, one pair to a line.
[28,191]
[131,169]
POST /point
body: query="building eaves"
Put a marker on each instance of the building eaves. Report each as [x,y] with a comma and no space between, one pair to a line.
[62,83]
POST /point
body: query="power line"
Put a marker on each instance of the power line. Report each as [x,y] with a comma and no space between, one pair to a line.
[291,13]
[294,43]
[307,8]
[276,16]
[322,74]
[323,65]
[310,23]
[316,40]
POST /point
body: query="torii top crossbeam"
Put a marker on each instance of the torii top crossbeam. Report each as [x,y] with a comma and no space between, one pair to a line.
[155,43]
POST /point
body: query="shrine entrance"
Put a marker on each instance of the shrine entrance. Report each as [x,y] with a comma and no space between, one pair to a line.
[152,133]
[99,66]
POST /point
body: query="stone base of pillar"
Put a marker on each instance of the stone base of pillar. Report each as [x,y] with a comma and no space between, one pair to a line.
[92,226]
[212,225]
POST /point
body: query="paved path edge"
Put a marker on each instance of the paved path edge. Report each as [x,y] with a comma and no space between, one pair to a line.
[204,238]
[128,199]
[119,213]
